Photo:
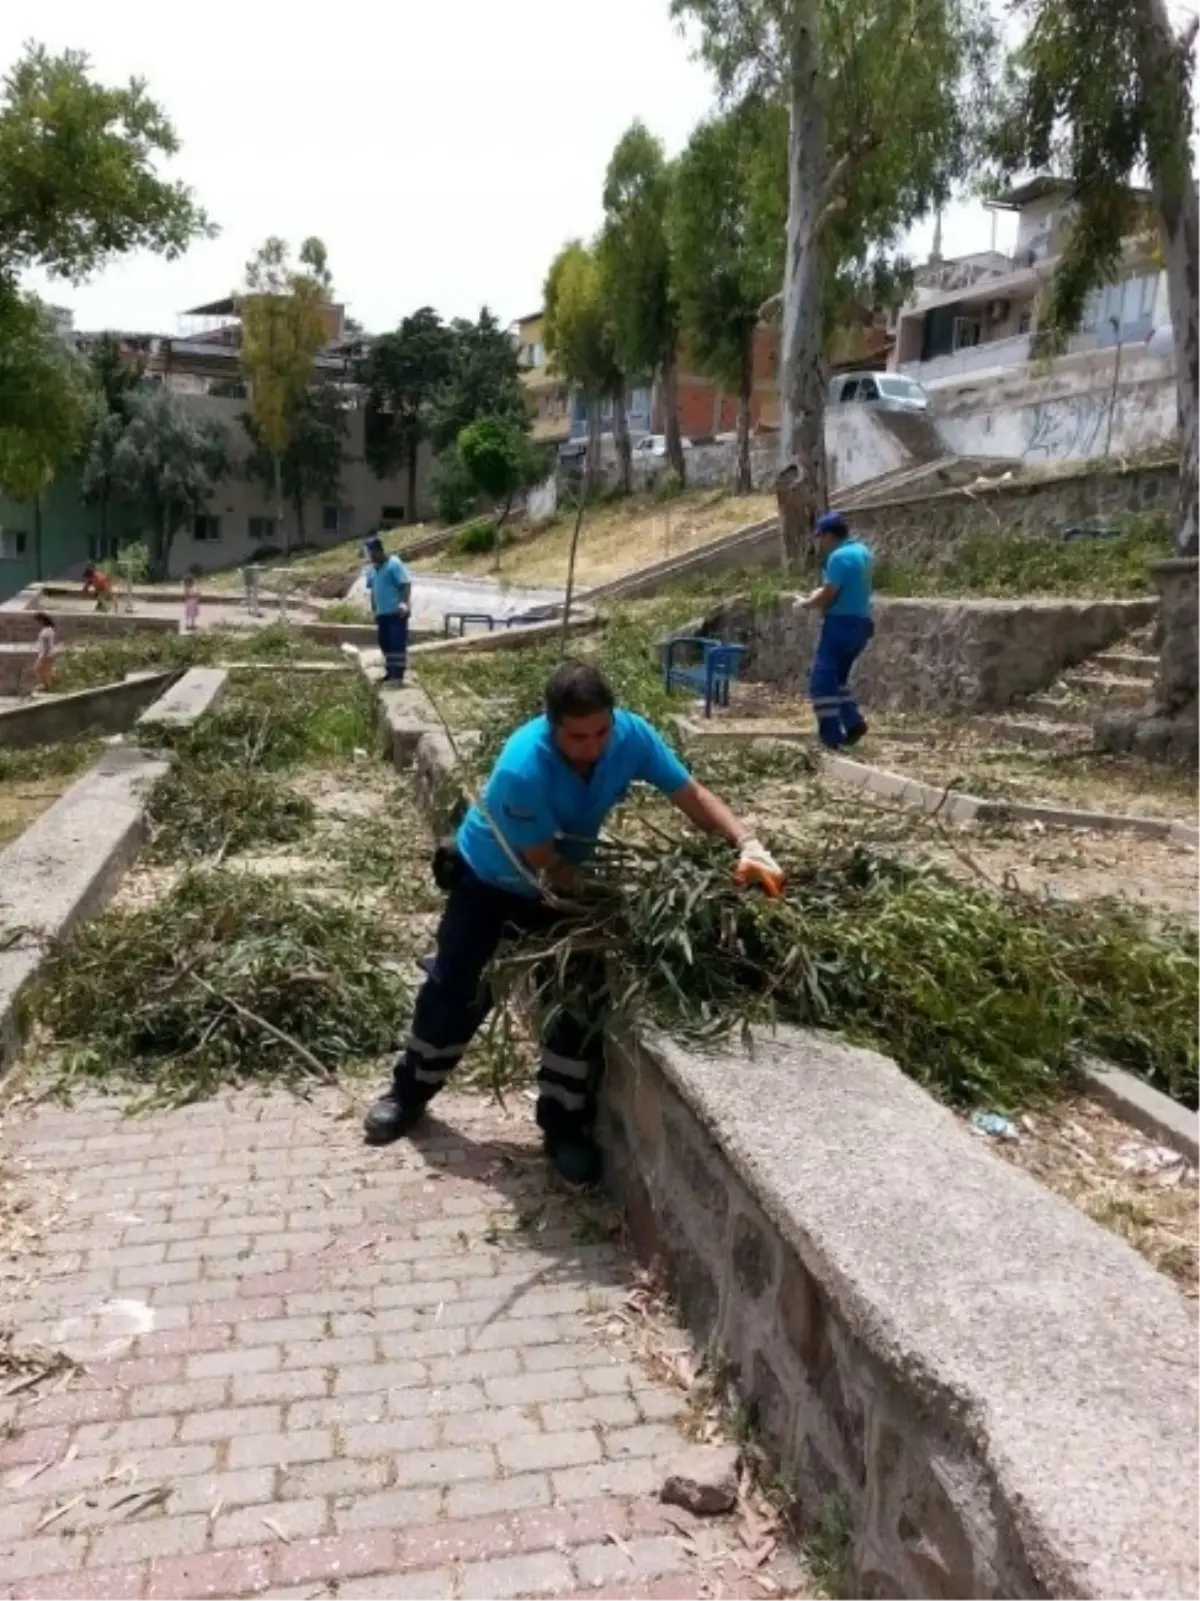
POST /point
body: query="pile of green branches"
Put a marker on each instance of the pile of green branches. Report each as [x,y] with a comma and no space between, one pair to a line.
[986,999]
[228,787]
[225,980]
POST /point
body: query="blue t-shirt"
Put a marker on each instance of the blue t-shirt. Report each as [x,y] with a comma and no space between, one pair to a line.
[534,794]
[385,585]
[849,566]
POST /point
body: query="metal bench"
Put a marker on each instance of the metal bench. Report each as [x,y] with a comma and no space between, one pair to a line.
[711,676]
[462,618]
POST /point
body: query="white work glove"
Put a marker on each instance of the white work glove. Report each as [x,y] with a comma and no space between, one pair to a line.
[756,865]
[402,609]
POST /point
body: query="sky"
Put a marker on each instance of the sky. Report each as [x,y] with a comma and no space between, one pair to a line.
[443,150]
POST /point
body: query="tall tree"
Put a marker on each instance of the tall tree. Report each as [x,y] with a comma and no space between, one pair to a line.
[1100,91]
[405,373]
[579,339]
[484,380]
[635,260]
[116,377]
[724,263]
[311,464]
[49,403]
[284,326]
[79,184]
[168,461]
[884,103]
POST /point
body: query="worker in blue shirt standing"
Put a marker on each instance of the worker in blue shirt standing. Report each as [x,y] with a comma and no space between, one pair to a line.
[844,601]
[390,589]
[518,851]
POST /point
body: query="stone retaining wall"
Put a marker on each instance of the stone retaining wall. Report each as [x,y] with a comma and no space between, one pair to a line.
[1165,729]
[22,627]
[935,656]
[108,709]
[1000,1392]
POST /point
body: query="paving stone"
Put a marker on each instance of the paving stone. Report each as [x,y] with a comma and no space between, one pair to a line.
[353,1439]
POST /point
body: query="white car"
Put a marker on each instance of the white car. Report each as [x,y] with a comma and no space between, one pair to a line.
[653,447]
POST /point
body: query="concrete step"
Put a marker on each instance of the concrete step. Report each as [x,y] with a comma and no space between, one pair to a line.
[1034,733]
[1076,712]
[1128,664]
[1107,689]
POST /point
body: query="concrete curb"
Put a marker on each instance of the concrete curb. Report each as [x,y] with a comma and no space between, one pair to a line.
[1145,1108]
[67,865]
[959,807]
[200,689]
[107,709]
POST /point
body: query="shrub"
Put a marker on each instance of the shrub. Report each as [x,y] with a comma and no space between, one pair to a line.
[475,539]
[451,489]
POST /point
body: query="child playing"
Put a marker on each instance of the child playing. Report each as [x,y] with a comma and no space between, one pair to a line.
[43,665]
[97,582]
[191,604]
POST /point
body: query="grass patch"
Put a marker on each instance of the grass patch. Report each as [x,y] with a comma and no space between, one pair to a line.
[35,762]
[1016,565]
[228,789]
[985,999]
[108,661]
[224,981]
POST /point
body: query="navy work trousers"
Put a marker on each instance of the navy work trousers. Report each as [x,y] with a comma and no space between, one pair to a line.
[842,642]
[392,630]
[455,1000]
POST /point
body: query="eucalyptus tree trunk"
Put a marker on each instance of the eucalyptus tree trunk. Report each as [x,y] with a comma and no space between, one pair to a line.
[742,483]
[801,485]
[674,439]
[621,440]
[593,437]
[281,533]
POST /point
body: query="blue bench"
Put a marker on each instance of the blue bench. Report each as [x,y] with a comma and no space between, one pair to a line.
[711,676]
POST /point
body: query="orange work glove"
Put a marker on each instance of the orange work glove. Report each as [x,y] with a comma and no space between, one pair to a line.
[757,866]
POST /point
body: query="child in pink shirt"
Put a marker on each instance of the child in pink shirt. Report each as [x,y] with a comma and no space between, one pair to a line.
[191,605]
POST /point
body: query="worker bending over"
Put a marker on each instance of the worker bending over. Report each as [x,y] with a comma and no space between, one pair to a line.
[844,601]
[553,785]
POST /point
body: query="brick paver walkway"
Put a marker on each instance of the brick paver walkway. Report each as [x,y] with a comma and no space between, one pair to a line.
[317,1370]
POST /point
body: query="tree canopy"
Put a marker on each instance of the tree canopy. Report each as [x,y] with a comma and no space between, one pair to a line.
[634,261]
[724,259]
[406,374]
[311,464]
[578,331]
[168,461]
[884,101]
[484,380]
[284,326]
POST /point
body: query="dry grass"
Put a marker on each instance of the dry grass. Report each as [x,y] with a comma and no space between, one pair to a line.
[21,800]
[1119,1178]
[617,537]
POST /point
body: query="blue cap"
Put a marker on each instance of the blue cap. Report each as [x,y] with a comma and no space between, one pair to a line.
[373,543]
[830,522]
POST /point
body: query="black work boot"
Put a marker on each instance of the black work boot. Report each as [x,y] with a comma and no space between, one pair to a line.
[853,735]
[575,1158]
[390,1119]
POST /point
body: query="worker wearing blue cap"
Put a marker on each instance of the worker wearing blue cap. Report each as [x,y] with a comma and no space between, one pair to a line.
[844,601]
[390,589]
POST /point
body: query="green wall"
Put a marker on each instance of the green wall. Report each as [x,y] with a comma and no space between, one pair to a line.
[68,527]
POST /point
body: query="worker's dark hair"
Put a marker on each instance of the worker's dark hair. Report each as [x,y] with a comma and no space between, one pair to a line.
[43,619]
[577,689]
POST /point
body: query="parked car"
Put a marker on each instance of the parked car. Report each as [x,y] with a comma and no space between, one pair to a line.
[891,390]
[653,447]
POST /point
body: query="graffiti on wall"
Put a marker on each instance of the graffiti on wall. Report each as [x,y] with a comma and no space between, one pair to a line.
[1072,428]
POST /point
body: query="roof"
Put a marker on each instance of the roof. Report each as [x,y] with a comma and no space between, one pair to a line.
[1002,287]
[1024,194]
[215,308]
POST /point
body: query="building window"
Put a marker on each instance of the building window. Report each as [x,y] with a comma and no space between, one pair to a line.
[391,516]
[13,544]
[967,332]
[335,519]
[206,529]
[262,530]
[1025,322]
[102,547]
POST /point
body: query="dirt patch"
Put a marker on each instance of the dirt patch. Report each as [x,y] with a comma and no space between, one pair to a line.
[1126,1183]
[617,538]
[21,800]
